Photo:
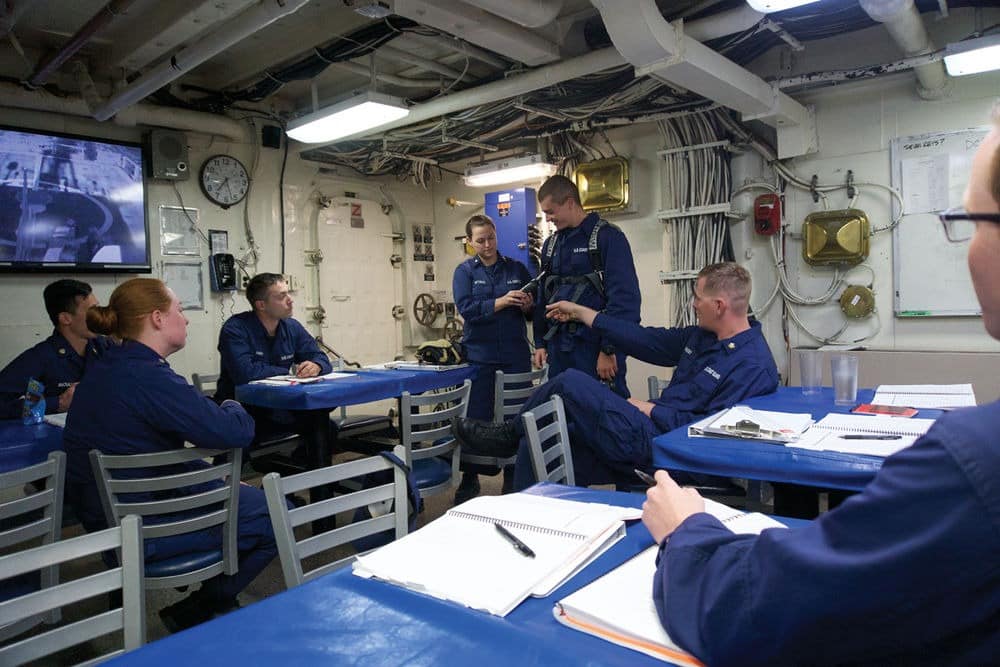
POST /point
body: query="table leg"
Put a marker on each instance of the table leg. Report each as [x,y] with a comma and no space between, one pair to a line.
[320,443]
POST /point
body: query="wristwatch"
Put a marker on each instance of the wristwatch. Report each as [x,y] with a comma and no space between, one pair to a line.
[608,349]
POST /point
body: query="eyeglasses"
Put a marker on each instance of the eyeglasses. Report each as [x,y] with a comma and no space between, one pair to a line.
[959,224]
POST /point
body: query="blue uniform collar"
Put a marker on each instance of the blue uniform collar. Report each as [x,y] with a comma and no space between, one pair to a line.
[63,348]
[731,345]
[260,326]
[133,349]
[478,262]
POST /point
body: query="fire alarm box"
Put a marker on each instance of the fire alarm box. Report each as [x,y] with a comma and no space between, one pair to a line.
[767,214]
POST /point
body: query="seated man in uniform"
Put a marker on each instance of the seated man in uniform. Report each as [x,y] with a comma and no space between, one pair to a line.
[906,572]
[263,342]
[723,360]
[60,360]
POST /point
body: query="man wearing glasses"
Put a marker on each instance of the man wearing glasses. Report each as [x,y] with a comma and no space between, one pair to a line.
[905,572]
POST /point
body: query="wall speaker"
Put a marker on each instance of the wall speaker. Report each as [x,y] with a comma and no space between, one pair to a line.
[168,155]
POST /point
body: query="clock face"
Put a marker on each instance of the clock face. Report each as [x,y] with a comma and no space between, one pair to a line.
[224,180]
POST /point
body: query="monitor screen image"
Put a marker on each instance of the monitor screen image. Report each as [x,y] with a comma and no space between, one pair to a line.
[71,204]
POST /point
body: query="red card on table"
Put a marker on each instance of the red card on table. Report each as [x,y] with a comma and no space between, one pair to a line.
[892,410]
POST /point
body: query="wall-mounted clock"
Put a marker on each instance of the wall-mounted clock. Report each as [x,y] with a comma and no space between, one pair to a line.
[224,180]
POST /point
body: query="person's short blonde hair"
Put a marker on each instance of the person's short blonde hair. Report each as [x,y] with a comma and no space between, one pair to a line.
[730,279]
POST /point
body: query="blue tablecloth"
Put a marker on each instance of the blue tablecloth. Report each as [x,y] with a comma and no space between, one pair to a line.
[22,446]
[340,619]
[363,386]
[730,457]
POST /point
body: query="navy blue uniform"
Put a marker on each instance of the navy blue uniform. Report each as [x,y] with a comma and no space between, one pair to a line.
[248,353]
[132,402]
[907,572]
[54,363]
[610,436]
[492,340]
[574,345]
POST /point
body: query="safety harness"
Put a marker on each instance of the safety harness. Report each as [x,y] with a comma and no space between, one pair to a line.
[553,281]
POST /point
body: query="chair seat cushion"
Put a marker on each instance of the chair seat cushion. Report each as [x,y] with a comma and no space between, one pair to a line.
[431,472]
[182,563]
[15,587]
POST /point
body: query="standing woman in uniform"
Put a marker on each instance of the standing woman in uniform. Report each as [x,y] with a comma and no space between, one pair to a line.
[487,290]
[131,402]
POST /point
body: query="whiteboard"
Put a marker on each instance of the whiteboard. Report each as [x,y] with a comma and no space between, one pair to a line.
[930,171]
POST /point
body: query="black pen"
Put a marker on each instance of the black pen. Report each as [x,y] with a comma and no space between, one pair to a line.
[518,544]
[870,437]
[645,477]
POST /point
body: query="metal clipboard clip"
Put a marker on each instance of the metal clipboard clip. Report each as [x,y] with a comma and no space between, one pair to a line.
[746,428]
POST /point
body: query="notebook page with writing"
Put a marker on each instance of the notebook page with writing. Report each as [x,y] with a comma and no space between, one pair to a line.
[619,606]
[827,434]
[461,557]
[933,396]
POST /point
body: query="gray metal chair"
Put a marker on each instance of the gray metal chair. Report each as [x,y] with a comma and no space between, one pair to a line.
[511,391]
[292,552]
[427,439]
[129,618]
[283,443]
[32,518]
[720,489]
[551,458]
[127,484]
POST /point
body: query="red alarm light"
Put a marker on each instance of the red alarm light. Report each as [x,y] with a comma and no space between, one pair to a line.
[767,214]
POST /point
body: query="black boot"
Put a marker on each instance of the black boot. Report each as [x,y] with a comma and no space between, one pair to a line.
[487,438]
[468,489]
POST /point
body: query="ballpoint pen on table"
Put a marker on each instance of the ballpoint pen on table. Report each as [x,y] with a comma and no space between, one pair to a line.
[870,437]
[645,477]
[518,544]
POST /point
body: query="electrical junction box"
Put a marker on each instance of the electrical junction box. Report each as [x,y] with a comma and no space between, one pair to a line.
[767,214]
[513,212]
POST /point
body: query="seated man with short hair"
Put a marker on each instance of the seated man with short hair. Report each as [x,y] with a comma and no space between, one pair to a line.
[263,342]
[60,360]
[720,362]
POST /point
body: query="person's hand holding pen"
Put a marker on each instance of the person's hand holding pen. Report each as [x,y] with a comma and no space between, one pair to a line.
[305,369]
[668,505]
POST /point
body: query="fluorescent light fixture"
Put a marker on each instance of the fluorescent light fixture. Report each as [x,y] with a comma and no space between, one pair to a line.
[355,114]
[511,170]
[972,56]
[771,6]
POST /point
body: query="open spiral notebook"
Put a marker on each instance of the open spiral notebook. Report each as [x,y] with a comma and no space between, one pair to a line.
[463,558]
[866,433]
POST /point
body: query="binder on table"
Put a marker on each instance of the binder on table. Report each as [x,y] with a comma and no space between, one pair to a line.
[749,424]
[289,380]
[463,558]
[936,396]
[619,608]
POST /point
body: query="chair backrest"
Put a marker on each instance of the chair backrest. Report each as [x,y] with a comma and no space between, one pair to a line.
[35,517]
[426,435]
[511,391]
[205,382]
[292,552]
[549,444]
[129,618]
[655,386]
[127,484]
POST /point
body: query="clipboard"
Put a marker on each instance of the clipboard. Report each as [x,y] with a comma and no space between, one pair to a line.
[745,423]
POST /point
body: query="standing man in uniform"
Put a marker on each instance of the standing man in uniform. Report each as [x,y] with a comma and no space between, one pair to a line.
[720,362]
[60,360]
[263,342]
[589,262]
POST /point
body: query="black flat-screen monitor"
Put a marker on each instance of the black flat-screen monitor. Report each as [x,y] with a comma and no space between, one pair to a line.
[71,204]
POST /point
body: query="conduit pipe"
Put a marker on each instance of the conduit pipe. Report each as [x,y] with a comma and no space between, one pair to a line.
[96,24]
[595,61]
[13,12]
[529,13]
[902,20]
[400,55]
[391,79]
[262,14]
[16,97]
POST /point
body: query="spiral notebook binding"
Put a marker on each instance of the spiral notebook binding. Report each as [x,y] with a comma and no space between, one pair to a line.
[866,431]
[517,525]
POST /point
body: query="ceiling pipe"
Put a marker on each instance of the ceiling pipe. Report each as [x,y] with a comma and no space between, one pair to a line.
[391,79]
[98,22]
[459,46]
[15,8]
[247,23]
[15,97]
[724,23]
[519,84]
[400,55]
[481,27]
[528,13]
[902,20]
